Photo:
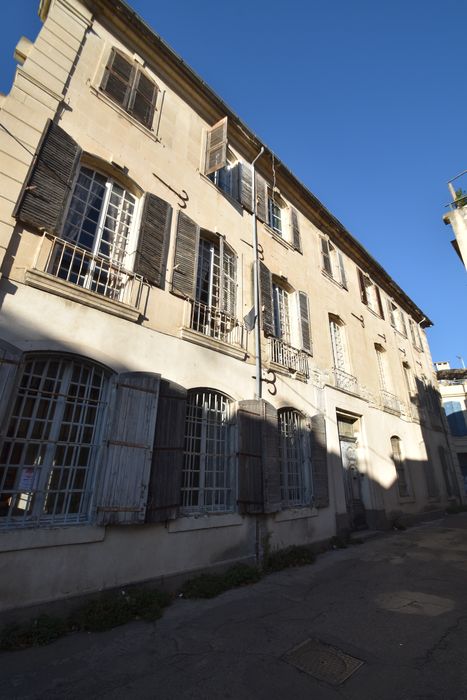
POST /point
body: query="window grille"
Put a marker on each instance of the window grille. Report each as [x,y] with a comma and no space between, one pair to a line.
[281,313]
[295,461]
[210,454]
[49,453]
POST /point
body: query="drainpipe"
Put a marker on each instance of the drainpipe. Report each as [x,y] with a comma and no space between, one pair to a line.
[257,306]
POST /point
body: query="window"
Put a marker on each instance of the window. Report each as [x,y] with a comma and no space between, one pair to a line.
[415,334]
[344,380]
[295,458]
[455,414]
[49,454]
[226,179]
[99,223]
[216,288]
[209,470]
[128,85]
[281,313]
[396,318]
[402,477]
[370,294]
[332,262]
[274,213]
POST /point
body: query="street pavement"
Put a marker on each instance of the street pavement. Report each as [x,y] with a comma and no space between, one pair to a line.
[396,605]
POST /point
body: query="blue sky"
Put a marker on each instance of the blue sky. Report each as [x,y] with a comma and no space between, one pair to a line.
[364,101]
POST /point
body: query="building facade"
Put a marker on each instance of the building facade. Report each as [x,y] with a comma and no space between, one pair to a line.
[453,389]
[136,444]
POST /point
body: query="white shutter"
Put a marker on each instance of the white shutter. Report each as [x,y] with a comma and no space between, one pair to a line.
[304,322]
[124,483]
[216,147]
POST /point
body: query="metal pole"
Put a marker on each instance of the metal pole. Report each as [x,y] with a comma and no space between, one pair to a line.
[257,306]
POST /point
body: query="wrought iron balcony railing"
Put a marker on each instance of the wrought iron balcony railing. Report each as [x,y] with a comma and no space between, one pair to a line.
[346,381]
[390,401]
[214,323]
[288,357]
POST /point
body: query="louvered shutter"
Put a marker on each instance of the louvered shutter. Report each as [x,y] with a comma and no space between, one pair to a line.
[340,258]
[186,257]
[250,472]
[403,326]
[216,147]
[319,461]
[151,253]
[246,186]
[304,322]
[361,280]
[267,308]
[261,198]
[49,181]
[118,78]
[167,459]
[296,238]
[143,99]
[10,358]
[391,314]
[326,257]
[271,460]
[259,464]
[124,484]
[380,303]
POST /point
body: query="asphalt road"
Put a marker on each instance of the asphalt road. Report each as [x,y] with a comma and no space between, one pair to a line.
[396,605]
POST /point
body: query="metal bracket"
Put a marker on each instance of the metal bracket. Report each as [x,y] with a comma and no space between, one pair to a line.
[183,196]
[273,388]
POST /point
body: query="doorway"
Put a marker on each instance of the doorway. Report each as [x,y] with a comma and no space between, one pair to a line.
[352,474]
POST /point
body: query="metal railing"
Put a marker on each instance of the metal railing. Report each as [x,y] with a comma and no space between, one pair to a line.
[215,323]
[78,266]
[286,356]
[390,401]
[346,381]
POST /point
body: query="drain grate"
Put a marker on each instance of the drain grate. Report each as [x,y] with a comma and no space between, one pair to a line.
[322,661]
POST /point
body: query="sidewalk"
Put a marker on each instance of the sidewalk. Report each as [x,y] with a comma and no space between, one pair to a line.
[396,604]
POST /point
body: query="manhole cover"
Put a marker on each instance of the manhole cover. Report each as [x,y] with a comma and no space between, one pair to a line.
[324,662]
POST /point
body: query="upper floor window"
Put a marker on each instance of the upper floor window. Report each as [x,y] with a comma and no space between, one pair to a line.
[128,85]
[209,470]
[332,262]
[274,213]
[370,294]
[99,220]
[295,458]
[397,318]
[456,414]
[342,371]
[48,457]
[415,334]
[281,313]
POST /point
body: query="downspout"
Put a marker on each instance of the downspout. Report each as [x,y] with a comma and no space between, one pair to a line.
[257,307]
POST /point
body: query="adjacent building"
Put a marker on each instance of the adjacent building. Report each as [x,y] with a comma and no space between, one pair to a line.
[457,217]
[453,389]
[176,396]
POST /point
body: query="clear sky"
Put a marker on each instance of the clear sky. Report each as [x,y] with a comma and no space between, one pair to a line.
[365,101]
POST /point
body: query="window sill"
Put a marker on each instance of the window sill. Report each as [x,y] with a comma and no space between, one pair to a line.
[35,538]
[373,312]
[277,237]
[217,345]
[188,523]
[296,513]
[334,281]
[54,285]
[97,92]
[286,372]
[230,198]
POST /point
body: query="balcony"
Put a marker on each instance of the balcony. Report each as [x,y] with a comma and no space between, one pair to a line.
[290,358]
[390,402]
[67,270]
[215,329]
[344,380]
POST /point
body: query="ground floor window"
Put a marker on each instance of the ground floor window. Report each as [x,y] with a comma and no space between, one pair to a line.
[48,456]
[208,477]
[295,459]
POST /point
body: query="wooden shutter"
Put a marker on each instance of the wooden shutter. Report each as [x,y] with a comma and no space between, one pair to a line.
[250,472]
[326,256]
[143,99]
[167,458]
[124,484]
[10,358]
[304,322]
[340,259]
[216,147]
[258,462]
[49,181]
[151,253]
[267,308]
[380,303]
[186,257]
[261,198]
[246,186]
[296,238]
[319,458]
[403,326]
[361,280]
[118,78]
[391,314]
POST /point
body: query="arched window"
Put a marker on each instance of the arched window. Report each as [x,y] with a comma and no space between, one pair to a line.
[209,470]
[403,485]
[48,457]
[295,458]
